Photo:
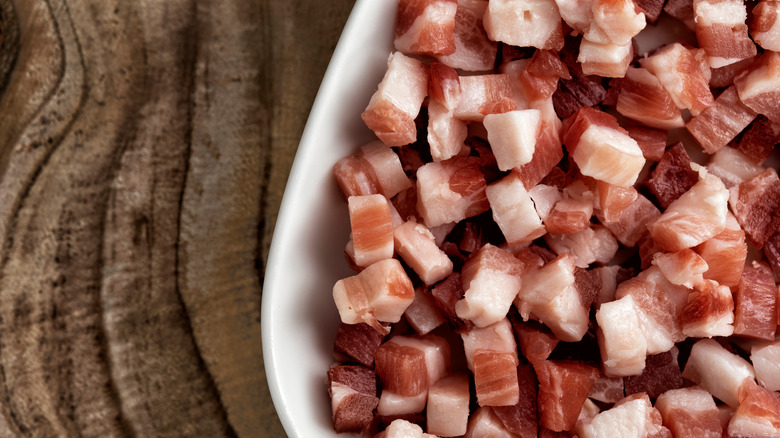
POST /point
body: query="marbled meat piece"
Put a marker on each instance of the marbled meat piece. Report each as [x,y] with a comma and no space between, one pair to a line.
[632,222]
[548,152]
[717,125]
[474,51]
[393,108]
[622,343]
[756,205]
[447,409]
[607,389]
[766,362]
[416,245]
[512,136]
[484,94]
[536,341]
[539,79]
[446,134]
[534,23]
[591,245]
[651,8]
[661,374]
[578,92]
[764,24]
[497,337]
[759,86]
[514,211]
[725,254]
[690,413]
[684,267]
[758,140]
[357,342]
[423,314]
[400,428]
[651,141]
[682,10]
[732,166]
[483,423]
[563,388]
[613,200]
[446,294]
[572,213]
[425,27]
[634,416]
[721,31]
[755,313]
[644,99]
[607,59]
[450,191]
[495,378]
[672,176]
[352,390]
[723,77]
[758,414]
[772,254]
[374,168]
[718,371]
[685,75]
[521,418]
[372,229]
[709,312]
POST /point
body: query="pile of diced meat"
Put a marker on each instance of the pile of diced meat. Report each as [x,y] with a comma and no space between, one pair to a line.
[536,251]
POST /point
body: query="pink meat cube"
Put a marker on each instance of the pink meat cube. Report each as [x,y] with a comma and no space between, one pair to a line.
[606,59]
[425,27]
[756,205]
[483,423]
[634,416]
[759,139]
[722,32]
[616,21]
[681,10]
[732,166]
[723,77]
[661,373]
[755,313]
[450,191]
[534,23]
[759,86]
[765,26]
[497,337]
[474,51]
[684,267]
[446,295]
[614,199]
[484,94]
[632,221]
[514,211]
[401,368]
[685,75]
[601,148]
[766,362]
[651,141]
[651,8]
[696,216]
[672,176]
[401,428]
[536,341]
[572,213]
[548,152]
[563,388]
[447,411]
[709,312]
[593,244]
[396,103]
[718,371]
[446,134]
[717,125]
[358,342]
[512,136]
[581,91]
[372,229]
[607,389]
[415,244]
[352,391]
[491,280]
[422,314]
[690,413]
[521,418]
[374,168]
[725,254]
[539,79]
[758,414]
[643,98]
[495,378]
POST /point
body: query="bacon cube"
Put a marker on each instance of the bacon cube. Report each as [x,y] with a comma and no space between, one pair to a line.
[450,191]
[534,23]
[643,98]
[758,140]
[766,362]
[759,86]
[732,166]
[579,92]
[621,341]
[536,341]
[722,32]
[425,27]
[352,391]
[651,141]
[661,373]
[682,10]
[521,418]
[483,423]
[401,368]
[491,280]
[717,125]
[756,205]
[633,416]
[593,244]
[415,244]
[495,378]
[446,134]
[497,337]
[718,371]
[685,75]
[725,254]
[572,213]
[548,151]
[422,314]
[446,294]
[696,216]
[512,136]
[605,59]
[672,176]
[615,21]
[607,389]
[709,312]
[758,414]
[545,197]
[447,411]
[612,199]
[632,222]
[651,8]
[684,267]
[563,388]
[372,229]
[756,303]
[358,342]
[484,94]
[690,413]
[400,428]
[396,103]
[514,211]
[765,26]
[474,51]
[539,78]
[374,168]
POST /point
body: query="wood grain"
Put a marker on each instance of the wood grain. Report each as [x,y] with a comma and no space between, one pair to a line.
[144,147]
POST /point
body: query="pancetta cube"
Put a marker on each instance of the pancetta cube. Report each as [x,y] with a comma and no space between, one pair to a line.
[396,103]
[524,23]
[372,229]
[539,78]
[651,141]
[758,414]
[612,199]
[512,136]
[672,176]
[422,314]
[758,140]
[400,428]
[495,378]
[450,191]
[718,371]
[607,389]
[722,32]
[374,168]
[756,303]
[605,59]
[683,267]
[732,166]
[563,388]
[521,419]
[474,51]
[759,86]
[632,222]
[425,27]
[685,75]
[725,254]
[483,423]
[709,312]
[536,341]
[634,416]
[497,337]
[682,10]
[578,92]
[357,342]
[514,211]
[643,98]
[415,244]
[765,26]
[614,21]
[593,244]
[572,213]
[352,390]
[484,94]
[661,373]
[717,125]
[548,152]
[447,410]
[690,413]
[756,205]
[766,362]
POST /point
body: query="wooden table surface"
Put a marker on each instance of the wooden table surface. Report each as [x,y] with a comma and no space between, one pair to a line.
[144,149]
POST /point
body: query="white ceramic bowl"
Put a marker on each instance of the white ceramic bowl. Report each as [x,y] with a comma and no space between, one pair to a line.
[299,319]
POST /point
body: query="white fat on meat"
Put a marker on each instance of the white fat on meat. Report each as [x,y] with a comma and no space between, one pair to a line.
[401,428]
[474,51]
[497,337]
[371,220]
[416,245]
[423,314]
[605,59]
[484,94]
[766,362]
[609,155]
[431,32]
[594,244]
[545,197]
[512,136]
[484,423]
[631,417]
[514,211]
[718,371]
[732,166]
[709,312]
[621,341]
[683,267]
[690,412]
[685,75]
[759,86]
[524,23]
[614,21]
[765,25]
[447,410]
[446,134]
[721,31]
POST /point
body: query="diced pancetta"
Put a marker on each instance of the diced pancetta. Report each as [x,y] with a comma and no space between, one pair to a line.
[446,294]
[682,10]
[756,205]
[578,92]
[605,59]
[495,378]
[732,166]
[643,98]
[634,416]
[759,86]
[683,267]
[474,51]
[593,244]
[372,229]
[709,312]
[725,254]
[758,414]
[524,23]
[572,213]
[612,199]
[536,341]
[764,24]
[401,428]
[766,362]
[447,410]
[357,342]
[614,21]
[422,314]
[758,140]
[539,78]
[548,151]
[718,371]
[512,136]
[661,374]
[717,125]
[685,75]
[672,176]
[352,390]
[446,134]
[651,141]
[497,337]
[374,168]
[415,244]
[607,389]
[690,413]
[514,211]
[484,94]
[563,388]
[425,27]
[755,313]
[521,418]
[450,191]
[545,197]
[632,222]
[396,103]
[484,423]
[722,32]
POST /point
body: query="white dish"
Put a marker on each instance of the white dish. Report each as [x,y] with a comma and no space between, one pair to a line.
[299,319]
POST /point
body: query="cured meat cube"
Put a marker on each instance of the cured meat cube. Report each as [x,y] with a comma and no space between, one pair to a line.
[647,249]
[536,341]
[672,176]
[632,222]
[381,292]
[684,267]
[551,295]
[756,205]
[622,343]
[690,413]
[759,86]
[758,414]
[491,280]
[548,151]
[643,98]
[572,213]
[401,368]
[484,94]
[772,254]
[372,229]
[447,411]
[374,168]
[723,77]
[521,418]
[396,103]
[759,139]
[512,136]
[614,21]
[614,199]
[474,51]
[545,197]
[601,148]
[496,337]
[579,92]
[608,279]
[352,390]
[722,32]
[658,304]
[725,254]
[651,141]
[732,166]
[661,373]
[422,314]
[766,362]
[415,244]
[358,342]
[425,27]
[539,79]
[685,75]
[607,389]
[633,416]
[594,244]
[681,10]
[534,23]
[484,423]
[765,26]
[718,371]
[709,312]
[717,125]
[577,14]
[651,8]
[696,216]
[563,388]
[401,428]
[755,313]
[605,59]
[495,378]
[446,294]
[446,134]
[513,210]
[450,191]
